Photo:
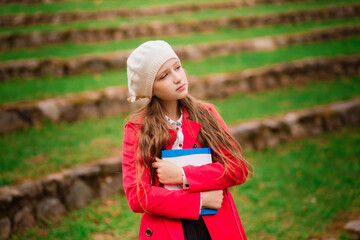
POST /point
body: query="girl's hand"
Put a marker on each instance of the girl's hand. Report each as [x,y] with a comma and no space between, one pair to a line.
[212,199]
[167,172]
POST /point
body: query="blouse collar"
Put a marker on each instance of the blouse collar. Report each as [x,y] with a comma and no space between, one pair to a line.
[177,122]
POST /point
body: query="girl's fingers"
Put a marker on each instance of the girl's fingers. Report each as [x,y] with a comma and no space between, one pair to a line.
[156,163]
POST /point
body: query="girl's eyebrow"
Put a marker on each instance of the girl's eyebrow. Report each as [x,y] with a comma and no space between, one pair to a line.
[161,73]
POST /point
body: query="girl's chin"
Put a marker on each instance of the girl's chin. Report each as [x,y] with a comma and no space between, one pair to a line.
[184,95]
[180,96]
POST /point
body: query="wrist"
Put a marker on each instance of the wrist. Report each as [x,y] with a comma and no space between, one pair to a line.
[203,199]
[180,176]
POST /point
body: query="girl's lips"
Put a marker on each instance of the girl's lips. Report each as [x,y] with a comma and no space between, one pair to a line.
[182,87]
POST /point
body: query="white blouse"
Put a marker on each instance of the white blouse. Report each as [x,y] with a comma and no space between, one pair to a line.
[178,144]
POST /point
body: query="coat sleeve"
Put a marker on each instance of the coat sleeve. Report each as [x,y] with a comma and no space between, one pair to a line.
[153,199]
[211,176]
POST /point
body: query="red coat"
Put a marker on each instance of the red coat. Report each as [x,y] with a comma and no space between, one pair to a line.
[164,207]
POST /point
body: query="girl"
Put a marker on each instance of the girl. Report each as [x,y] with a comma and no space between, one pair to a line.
[172,119]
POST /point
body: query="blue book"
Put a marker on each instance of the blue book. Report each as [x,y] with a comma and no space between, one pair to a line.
[208,211]
[184,157]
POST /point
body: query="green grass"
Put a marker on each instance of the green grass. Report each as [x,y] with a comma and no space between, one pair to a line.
[52,147]
[89,5]
[294,194]
[52,86]
[70,50]
[112,217]
[43,87]
[196,16]
[241,61]
[270,103]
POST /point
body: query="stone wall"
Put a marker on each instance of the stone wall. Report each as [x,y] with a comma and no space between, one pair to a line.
[353,228]
[169,29]
[2,2]
[113,101]
[49,198]
[280,75]
[298,124]
[72,107]
[24,69]
[63,17]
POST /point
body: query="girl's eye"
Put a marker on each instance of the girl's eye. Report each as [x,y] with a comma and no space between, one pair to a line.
[178,67]
[163,76]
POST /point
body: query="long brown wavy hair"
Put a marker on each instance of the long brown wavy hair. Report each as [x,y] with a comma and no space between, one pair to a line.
[154,137]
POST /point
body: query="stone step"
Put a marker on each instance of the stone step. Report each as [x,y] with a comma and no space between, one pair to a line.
[346,223]
[47,198]
[25,69]
[17,20]
[24,2]
[353,228]
[113,100]
[299,124]
[37,39]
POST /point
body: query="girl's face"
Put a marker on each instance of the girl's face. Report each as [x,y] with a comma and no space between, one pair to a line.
[171,82]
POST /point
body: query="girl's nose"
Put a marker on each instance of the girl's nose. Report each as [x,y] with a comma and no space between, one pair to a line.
[177,77]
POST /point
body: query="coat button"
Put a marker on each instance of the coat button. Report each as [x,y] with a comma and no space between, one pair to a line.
[195,145]
[148,232]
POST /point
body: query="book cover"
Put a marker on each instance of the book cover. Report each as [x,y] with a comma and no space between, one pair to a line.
[184,157]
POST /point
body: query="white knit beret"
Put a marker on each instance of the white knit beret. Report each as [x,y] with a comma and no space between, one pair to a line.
[142,66]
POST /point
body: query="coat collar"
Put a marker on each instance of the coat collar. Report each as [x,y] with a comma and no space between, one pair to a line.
[190,129]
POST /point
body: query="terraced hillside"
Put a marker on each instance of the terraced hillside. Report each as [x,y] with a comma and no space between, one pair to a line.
[283,74]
